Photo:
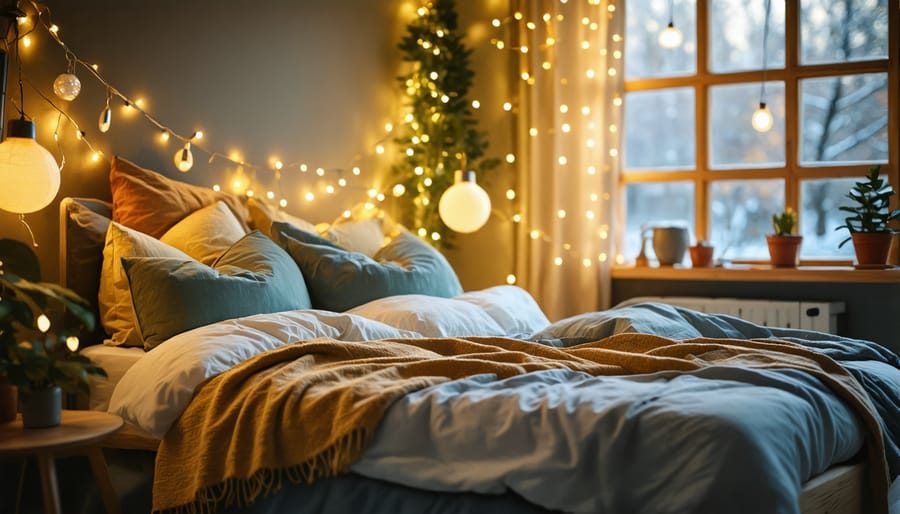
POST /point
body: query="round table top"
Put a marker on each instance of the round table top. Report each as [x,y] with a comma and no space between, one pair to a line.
[78,428]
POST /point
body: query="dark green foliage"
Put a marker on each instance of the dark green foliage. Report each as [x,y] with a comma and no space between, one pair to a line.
[871,212]
[29,358]
[439,128]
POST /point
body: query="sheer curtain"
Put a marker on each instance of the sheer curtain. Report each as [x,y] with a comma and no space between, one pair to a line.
[570,103]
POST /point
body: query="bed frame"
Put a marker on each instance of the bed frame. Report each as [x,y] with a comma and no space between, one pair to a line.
[839,490]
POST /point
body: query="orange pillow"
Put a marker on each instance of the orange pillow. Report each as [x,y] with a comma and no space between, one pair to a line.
[153,203]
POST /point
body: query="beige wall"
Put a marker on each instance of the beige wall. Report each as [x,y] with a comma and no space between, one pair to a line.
[310,81]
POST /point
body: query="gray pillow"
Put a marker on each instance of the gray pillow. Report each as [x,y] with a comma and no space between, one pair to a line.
[339,280]
[171,296]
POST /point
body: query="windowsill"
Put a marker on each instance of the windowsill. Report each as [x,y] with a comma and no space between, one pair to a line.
[760,273]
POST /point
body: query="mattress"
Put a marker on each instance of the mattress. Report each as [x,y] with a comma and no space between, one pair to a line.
[115,360]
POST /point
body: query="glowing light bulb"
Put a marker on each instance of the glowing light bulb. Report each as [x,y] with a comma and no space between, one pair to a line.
[79,134]
[399,190]
[762,119]
[197,135]
[95,156]
[164,136]
[26,41]
[184,160]
[283,203]
[510,279]
[66,86]
[72,343]
[465,207]
[43,323]
[670,37]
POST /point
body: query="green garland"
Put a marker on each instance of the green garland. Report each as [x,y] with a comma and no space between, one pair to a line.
[439,135]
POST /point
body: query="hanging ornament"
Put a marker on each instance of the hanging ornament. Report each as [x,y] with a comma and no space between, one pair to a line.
[105,116]
[184,160]
[67,86]
[28,172]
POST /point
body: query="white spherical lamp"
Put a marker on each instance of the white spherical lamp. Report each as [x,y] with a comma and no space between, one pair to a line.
[67,86]
[465,207]
[29,175]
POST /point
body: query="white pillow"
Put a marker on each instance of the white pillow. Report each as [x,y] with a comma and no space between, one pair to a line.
[512,307]
[205,233]
[365,236]
[430,316]
[114,297]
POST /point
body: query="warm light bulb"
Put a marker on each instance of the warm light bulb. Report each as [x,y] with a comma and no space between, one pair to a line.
[164,136]
[28,172]
[762,119]
[43,323]
[670,37]
[399,190]
[184,160]
[465,207]
[66,86]
[72,343]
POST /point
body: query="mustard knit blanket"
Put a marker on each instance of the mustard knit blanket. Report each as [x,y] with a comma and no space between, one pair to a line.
[307,410]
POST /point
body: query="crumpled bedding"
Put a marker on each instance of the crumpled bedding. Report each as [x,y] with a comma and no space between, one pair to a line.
[663,442]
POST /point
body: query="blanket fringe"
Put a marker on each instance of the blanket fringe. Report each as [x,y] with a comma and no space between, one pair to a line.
[241,492]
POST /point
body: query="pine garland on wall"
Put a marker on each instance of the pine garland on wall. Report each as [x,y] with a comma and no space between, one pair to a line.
[439,135]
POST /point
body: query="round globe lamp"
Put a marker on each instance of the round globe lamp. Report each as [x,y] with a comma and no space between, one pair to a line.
[29,175]
[465,207]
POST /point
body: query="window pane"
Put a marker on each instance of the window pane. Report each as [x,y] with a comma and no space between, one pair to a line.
[844,119]
[644,57]
[659,129]
[736,35]
[732,140]
[651,203]
[740,216]
[849,30]
[819,215]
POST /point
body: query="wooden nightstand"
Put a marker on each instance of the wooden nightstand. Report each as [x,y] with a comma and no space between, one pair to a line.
[80,432]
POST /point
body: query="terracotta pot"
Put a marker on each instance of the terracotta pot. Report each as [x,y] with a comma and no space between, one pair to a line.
[8,403]
[41,407]
[784,251]
[872,248]
[701,256]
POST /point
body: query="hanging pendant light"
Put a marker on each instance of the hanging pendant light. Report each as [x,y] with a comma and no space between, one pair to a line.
[762,119]
[28,172]
[670,37]
[465,207]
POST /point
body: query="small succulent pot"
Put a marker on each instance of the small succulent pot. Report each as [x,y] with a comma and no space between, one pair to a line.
[784,250]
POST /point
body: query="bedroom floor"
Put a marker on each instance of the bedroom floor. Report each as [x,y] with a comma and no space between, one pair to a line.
[77,491]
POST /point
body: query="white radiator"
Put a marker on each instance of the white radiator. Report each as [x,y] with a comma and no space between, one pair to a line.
[819,316]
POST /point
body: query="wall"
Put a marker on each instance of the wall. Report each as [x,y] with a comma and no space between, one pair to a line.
[309,81]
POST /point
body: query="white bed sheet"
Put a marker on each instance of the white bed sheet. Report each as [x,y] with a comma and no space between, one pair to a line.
[115,360]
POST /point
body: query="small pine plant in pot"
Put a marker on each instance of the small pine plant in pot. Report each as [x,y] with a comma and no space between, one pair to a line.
[869,219]
[784,247]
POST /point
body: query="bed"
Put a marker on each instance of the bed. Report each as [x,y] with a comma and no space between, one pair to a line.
[473,401]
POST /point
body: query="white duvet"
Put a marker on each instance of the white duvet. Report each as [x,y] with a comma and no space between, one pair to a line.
[154,392]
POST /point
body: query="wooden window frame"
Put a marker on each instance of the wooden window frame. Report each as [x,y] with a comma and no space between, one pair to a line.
[792,172]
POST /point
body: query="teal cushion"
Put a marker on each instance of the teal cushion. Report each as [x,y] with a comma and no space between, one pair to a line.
[339,280]
[171,296]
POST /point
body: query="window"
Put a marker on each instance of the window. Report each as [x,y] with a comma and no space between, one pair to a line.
[690,152]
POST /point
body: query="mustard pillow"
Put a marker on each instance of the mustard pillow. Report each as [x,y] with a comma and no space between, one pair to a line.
[262,215]
[114,297]
[153,203]
[205,233]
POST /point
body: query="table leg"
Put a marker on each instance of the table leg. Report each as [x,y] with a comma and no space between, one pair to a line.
[101,477]
[48,483]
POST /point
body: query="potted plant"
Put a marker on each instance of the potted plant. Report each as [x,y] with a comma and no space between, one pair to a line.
[37,355]
[868,223]
[784,246]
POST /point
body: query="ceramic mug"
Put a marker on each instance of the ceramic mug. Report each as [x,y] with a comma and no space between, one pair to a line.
[670,244]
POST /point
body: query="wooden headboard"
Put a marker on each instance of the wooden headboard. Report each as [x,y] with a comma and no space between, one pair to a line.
[82,233]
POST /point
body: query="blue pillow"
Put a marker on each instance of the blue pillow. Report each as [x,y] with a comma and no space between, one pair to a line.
[339,280]
[254,276]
